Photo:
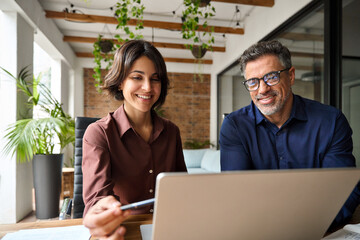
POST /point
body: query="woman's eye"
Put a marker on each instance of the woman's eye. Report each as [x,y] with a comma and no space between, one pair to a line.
[136,77]
[155,79]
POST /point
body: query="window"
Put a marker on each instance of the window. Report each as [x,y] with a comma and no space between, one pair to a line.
[42,69]
[304,36]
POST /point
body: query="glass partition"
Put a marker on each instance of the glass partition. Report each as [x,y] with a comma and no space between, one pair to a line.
[351,99]
[305,39]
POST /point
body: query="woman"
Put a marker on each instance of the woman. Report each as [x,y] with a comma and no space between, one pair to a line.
[125,151]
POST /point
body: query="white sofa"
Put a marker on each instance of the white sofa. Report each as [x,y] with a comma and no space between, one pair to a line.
[202,160]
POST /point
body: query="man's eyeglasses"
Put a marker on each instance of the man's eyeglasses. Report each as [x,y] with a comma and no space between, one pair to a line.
[270,79]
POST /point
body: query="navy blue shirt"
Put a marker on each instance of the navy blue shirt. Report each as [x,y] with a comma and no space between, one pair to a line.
[314,136]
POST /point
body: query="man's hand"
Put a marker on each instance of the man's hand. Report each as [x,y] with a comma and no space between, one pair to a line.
[104,219]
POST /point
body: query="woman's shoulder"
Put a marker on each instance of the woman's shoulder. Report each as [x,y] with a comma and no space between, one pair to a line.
[100,126]
[167,123]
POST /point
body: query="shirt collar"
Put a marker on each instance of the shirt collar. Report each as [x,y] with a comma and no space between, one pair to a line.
[124,124]
[297,112]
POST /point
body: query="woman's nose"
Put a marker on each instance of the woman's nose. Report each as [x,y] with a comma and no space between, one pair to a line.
[146,84]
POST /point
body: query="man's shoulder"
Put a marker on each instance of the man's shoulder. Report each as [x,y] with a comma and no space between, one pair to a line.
[246,112]
[317,108]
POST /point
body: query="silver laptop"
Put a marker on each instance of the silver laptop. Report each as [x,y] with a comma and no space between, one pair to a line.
[271,204]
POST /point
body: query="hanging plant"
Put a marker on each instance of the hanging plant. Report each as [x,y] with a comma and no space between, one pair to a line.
[198,51]
[101,54]
[191,15]
[125,10]
[203,3]
[106,45]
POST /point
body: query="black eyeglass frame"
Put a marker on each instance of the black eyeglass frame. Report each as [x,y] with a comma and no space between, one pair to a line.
[258,79]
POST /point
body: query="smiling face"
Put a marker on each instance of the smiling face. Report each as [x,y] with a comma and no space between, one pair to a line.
[141,87]
[274,102]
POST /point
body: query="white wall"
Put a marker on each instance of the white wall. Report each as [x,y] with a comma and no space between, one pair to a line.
[15,179]
[257,25]
[21,20]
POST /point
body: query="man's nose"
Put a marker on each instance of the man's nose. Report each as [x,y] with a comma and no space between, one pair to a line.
[263,87]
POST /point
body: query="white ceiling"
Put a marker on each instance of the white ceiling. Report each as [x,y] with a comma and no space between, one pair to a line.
[159,10]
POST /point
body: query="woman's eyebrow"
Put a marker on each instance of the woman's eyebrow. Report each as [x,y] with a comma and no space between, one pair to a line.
[137,71]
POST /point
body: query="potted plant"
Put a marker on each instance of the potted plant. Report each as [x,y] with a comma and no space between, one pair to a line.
[124,11]
[194,10]
[35,139]
[197,144]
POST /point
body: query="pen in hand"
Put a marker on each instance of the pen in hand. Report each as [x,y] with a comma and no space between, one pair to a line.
[138,204]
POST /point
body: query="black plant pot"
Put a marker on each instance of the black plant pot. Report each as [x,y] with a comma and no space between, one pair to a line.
[47,171]
[198,51]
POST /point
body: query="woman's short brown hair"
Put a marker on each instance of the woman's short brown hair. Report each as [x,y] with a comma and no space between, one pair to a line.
[125,57]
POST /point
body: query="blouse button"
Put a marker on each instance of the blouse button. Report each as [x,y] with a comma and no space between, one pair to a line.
[151,210]
[150,171]
[151,190]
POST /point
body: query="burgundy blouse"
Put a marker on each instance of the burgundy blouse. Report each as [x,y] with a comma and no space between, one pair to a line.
[118,162]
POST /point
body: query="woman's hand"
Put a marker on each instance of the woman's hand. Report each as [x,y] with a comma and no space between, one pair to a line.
[104,219]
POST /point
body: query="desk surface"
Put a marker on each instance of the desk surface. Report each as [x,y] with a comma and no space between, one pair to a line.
[132,225]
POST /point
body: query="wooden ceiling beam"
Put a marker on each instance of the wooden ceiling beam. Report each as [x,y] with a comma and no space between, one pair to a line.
[262,3]
[132,22]
[156,44]
[177,60]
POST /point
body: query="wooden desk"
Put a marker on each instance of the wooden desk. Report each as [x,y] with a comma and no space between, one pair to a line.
[132,225]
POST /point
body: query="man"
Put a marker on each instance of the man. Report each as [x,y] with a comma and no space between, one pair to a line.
[280,130]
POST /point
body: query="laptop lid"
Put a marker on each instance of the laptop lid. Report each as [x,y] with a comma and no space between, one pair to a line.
[270,204]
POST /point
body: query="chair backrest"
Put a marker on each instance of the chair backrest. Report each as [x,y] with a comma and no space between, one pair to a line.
[81,123]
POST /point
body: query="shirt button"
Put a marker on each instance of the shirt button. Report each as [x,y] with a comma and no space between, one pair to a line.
[281,158]
[151,190]
[150,171]
[151,210]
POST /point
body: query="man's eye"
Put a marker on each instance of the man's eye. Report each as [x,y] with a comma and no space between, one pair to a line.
[271,76]
[251,82]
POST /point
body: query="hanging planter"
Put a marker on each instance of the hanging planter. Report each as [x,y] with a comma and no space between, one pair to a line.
[102,53]
[198,51]
[202,3]
[106,45]
[194,11]
[104,50]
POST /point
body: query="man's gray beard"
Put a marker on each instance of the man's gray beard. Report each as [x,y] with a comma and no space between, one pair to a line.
[270,109]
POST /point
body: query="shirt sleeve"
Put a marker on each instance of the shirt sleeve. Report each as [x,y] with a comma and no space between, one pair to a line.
[340,154]
[96,167]
[233,155]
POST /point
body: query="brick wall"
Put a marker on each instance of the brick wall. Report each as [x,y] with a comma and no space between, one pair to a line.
[187,103]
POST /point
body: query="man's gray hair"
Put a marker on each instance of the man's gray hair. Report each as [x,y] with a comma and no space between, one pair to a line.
[266,48]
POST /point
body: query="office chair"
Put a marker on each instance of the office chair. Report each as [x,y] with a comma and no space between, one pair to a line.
[81,123]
